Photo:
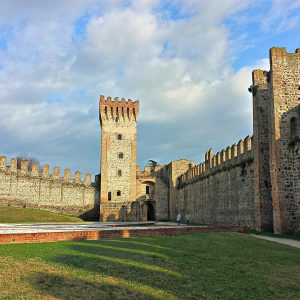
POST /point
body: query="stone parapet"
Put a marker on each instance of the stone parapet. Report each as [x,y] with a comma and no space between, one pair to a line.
[223,160]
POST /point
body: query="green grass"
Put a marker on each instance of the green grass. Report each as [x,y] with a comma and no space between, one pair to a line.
[193,266]
[10,214]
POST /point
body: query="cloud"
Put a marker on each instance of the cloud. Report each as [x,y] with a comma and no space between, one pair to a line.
[282,16]
[175,56]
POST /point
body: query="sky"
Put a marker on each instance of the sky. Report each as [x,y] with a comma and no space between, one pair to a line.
[188,62]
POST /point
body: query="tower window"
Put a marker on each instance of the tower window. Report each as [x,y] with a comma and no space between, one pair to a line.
[109,196]
[119,173]
[147,189]
[121,155]
[118,193]
[119,136]
[117,119]
[293,127]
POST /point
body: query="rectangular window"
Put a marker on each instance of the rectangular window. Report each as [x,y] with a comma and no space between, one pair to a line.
[109,196]
[147,189]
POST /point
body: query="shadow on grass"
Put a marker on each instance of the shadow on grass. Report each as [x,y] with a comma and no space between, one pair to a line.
[129,272]
[110,246]
[105,287]
[134,243]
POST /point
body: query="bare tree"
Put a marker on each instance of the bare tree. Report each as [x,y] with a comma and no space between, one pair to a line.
[31,161]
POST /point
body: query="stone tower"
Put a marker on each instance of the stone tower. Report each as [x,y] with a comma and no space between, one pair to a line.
[276,96]
[118,155]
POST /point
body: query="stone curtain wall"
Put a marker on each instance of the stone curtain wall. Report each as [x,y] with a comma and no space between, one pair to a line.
[220,190]
[46,191]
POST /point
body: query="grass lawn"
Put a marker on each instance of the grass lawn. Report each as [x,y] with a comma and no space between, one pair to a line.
[193,266]
[10,214]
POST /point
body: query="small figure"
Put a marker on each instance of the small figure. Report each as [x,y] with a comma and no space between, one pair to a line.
[187,218]
[178,219]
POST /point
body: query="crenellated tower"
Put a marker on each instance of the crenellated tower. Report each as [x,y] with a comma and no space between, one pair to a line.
[118,154]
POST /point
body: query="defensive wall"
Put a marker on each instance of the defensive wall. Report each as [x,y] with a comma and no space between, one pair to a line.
[255,182]
[220,189]
[42,190]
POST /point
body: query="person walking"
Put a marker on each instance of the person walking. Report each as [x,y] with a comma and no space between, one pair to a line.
[178,219]
[187,218]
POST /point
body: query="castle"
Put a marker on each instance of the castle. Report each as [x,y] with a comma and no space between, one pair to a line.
[255,182]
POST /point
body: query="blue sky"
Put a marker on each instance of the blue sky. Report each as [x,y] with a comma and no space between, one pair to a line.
[189,63]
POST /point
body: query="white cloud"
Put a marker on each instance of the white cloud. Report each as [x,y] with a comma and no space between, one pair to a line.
[180,69]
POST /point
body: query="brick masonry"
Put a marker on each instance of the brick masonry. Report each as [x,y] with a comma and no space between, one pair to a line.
[43,237]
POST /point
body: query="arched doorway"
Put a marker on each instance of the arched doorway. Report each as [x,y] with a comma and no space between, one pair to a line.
[150,211]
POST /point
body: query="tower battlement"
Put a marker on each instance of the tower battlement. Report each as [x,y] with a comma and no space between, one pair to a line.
[116,110]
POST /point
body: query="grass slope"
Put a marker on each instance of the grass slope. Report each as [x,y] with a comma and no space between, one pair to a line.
[194,266]
[10,214]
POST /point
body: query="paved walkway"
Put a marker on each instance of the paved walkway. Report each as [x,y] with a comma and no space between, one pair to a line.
[10,228]
[289,242]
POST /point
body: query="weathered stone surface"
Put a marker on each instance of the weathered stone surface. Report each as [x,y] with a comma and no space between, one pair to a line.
[48,192]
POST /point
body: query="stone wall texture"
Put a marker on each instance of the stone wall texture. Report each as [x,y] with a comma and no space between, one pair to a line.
[46,191]
[284,88]
[220,190]
[118,150]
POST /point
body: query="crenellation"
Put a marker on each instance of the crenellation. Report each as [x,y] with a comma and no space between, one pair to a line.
[223,156]
[234,151]
[240,147]
[35,170]
[87,179]
[218,158]
[45,172]
[13,165]
[228,153]
[24,167]
[77,177]
[114,109]
[67,175]
[3,163]
[56,173]
[147,169]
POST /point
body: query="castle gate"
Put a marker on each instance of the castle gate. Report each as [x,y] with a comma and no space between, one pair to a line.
[150,210]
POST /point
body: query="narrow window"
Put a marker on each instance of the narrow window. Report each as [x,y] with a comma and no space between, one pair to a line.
[293,127]
[119,173]
[117,119]
[119,136]
[105,111]
[109,196]
[121,155]
[118,193]
[147,189]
